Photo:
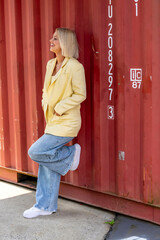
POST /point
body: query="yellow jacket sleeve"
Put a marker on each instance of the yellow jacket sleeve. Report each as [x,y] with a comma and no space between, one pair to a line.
[79,92]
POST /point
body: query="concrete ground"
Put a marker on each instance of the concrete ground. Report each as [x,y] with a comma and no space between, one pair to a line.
[127,228]
[73,221]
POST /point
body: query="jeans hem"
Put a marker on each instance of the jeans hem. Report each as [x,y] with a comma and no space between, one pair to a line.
[45,209]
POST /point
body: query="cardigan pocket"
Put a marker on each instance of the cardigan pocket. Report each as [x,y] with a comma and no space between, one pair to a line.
[54,118]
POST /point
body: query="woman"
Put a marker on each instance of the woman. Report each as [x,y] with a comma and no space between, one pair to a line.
[64,90]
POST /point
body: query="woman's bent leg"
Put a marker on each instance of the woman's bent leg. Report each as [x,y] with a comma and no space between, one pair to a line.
[47,189]
[49,151]
[54,160]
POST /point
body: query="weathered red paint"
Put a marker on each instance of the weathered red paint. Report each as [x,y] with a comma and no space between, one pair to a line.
[109,32]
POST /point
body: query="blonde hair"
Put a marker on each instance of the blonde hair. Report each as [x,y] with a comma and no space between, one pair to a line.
[68,42]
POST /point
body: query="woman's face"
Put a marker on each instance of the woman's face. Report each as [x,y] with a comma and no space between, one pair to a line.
[54,44]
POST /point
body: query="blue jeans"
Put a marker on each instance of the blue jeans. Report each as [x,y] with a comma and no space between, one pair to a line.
[54,160]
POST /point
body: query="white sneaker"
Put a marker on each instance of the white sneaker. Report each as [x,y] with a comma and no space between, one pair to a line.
[76,158]
[35,212]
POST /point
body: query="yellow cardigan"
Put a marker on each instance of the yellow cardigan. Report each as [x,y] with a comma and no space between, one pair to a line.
[64,96]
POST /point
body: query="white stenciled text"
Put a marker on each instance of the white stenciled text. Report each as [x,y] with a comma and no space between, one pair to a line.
[110,59]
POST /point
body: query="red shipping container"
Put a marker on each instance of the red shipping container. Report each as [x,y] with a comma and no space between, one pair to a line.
[120,136]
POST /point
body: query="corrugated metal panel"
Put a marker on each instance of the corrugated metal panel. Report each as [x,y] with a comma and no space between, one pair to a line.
[120,49]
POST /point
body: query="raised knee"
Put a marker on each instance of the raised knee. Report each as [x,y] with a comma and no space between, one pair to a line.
[31,153]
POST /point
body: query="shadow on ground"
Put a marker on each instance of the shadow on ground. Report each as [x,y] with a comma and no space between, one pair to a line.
[127,228]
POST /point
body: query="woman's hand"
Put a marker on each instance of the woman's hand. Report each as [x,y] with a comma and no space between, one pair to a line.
[57,114]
